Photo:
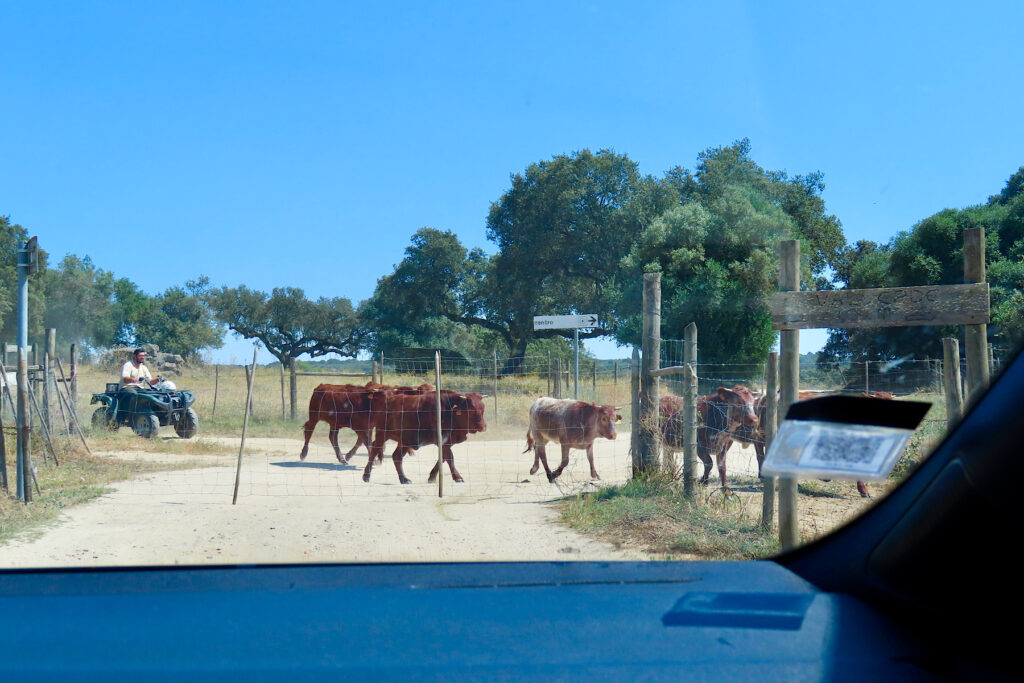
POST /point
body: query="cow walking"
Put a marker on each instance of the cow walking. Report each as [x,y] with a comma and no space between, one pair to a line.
[720,416]
[573,424]
[410,420]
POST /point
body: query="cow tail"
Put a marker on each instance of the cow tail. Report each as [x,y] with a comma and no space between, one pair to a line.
[529,441]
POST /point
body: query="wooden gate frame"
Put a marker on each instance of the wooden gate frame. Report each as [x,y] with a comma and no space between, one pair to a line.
[793,310]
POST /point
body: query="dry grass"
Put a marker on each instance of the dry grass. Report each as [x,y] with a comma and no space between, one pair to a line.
[652,514]
[507,417]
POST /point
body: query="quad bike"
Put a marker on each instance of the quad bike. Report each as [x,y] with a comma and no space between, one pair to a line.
[146,410]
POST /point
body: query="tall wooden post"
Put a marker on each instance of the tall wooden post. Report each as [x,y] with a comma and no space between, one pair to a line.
[74,379]
[690,411]
[495,357]
[789,371]
[634,402]
[615,372]
[293,385]
[549,375]
[250,378]
[283,413]
[975,336]
[24,465]
[216,385]
[770,427]
[440,437]
[49,360]
[556,389]
[649,384]
[951,380]
[593,379]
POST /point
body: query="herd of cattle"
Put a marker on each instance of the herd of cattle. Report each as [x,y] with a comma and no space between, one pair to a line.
[379,413]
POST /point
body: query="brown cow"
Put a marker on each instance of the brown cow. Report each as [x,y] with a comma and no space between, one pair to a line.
[347,406]
[411,422]
[573,424]
[756,435]
[339,405]
[719,415]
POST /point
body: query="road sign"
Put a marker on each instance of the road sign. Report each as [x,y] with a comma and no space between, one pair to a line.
[564,322]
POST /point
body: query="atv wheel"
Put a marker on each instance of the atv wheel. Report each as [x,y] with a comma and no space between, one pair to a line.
[101,420]
[188,425]
[147,426]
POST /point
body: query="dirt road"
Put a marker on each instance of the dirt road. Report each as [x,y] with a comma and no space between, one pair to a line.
[322,511]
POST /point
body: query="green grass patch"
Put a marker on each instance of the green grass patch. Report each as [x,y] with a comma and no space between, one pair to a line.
[653,513]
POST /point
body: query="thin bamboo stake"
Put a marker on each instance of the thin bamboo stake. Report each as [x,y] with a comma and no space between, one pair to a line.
[245,423]
[216,384]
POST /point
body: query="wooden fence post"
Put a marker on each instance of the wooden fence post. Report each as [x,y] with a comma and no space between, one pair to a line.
[690,411]
[593,379]
[975,336]
[951,380]
[770,427]
[549,375]
[74,379]
[789,376]
[216,385]
[557,388]
[293,385]
[634,402]
[615,372]
[649,384]
[283,413]
[48,378]
[495,357]
[249,381]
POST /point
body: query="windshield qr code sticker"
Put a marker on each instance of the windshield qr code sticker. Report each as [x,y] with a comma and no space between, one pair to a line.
[848,449]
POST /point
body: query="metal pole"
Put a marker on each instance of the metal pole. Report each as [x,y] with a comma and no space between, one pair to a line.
[74,378]
[216,385]
[549,375]
[495,352]
[245,422]
[293,386]
[576,376]
[51,353]
[283,409]
[557,386]
[24,464]
[789,371]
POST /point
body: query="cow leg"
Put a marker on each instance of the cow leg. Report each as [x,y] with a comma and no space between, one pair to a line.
[449,458]
[862,489]
[375,448]
[542,455]
[722,451]
[759,450]
[396,457]
[333,436]
[308,432]
[704,453]
[361,438]
[561,466]
[590,458]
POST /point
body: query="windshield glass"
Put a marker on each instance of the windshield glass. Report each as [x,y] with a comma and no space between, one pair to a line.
[280,249]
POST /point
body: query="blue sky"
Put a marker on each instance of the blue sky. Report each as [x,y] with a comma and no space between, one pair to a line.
[303,143]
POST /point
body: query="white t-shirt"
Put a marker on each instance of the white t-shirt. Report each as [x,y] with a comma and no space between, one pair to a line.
[132,375]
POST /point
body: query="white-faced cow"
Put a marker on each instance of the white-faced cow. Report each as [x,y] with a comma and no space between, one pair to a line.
[573,424]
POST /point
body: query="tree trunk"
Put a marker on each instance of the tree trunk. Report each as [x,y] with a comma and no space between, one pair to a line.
[514,364]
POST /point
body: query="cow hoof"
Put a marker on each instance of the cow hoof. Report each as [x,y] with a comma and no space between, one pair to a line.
[366,478]
[865,495]
[302,455]
[533,470]
[458,480]
[405,480]
[551,478]
[728,492]
[594,476]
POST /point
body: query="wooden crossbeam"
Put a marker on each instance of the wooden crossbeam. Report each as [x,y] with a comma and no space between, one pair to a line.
[885,307]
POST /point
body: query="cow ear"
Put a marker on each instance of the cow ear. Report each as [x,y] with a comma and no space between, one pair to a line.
[724,393]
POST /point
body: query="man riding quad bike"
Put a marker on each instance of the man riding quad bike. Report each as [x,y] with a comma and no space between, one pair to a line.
[145,404]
